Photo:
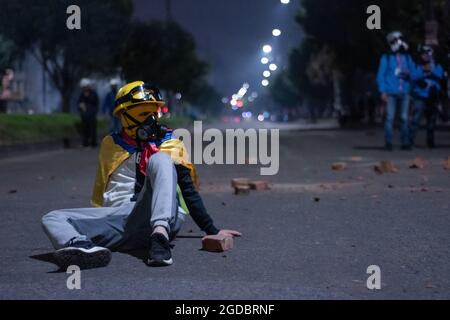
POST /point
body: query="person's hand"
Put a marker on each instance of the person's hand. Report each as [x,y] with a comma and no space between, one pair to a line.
[384,97]
[229,233]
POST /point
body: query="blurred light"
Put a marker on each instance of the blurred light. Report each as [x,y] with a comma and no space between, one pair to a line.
[276,32]
[242,92]
[285,1]
[260,117]
[267,49]
[178,96]
[240,103]
[165,109]
[254,94]
[251,99]
[246,115]
[265,60]
[266,115]
[266,73]
[265,82]
[245,85]
[234,97]
[234,108]
[225,100]
[273,67]
[233,102]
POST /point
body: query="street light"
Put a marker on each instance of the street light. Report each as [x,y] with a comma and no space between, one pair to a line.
[265,82]
[265,60]
[267,49]
[276,32]
[273,67]
[285,1]
[266,74]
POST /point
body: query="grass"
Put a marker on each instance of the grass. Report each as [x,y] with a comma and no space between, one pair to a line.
[17,129]
[27,129]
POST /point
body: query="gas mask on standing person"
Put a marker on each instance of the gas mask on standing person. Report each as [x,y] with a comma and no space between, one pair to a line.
[396,42]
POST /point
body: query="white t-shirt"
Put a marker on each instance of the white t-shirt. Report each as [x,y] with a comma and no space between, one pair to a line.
[120,188]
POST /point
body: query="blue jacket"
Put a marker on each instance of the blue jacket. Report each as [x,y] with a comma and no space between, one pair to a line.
[424,84]
[394,73]
[109,103]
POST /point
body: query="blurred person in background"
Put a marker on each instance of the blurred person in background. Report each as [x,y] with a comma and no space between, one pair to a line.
[427,87]
[109,104]
[394,84]
[88,108]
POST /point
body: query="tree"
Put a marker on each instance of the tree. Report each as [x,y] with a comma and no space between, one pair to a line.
[8,52]
[164,54]
[39,27]
[283,91]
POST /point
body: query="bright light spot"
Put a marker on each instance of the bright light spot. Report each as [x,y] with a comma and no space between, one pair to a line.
[178,96]
[225,100]
[266,73]
[267,49]
[276,32]
[285,1]
[240,104]
[233,102]
[273,67]
[242,92]
[265,82]
[245,85]
[234,97]
[265,60]
[260,117]
[246,115]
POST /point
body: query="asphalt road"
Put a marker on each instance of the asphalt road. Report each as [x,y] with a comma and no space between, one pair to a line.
[311,237]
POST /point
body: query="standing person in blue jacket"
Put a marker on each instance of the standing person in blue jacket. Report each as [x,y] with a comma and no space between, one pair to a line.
[427,80]
[109,103]
[394,84]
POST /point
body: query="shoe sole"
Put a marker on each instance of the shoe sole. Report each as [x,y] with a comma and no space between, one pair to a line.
[159,263]
[84,259]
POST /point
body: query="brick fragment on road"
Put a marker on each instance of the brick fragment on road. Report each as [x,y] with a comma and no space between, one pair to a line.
[217,243]
[447,164]
[242,190]
[259,185]
[240,182]
[418,163]
[338,166]
[385,167]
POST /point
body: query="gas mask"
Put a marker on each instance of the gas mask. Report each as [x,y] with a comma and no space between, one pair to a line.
[396,42]
[426,54]
[148,130]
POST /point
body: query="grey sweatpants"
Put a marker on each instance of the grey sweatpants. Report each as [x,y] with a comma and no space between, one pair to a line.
[126,227]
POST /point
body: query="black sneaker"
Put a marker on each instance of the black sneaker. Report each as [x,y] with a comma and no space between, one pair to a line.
[406,147]
[160,251]
[389,147]
[83,254]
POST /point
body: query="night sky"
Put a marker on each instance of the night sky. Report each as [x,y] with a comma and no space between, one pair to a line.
[230,34]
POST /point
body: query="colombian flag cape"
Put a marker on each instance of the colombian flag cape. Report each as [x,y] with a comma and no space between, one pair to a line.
[114,151]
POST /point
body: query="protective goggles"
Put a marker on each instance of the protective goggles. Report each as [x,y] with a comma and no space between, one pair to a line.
[140,94]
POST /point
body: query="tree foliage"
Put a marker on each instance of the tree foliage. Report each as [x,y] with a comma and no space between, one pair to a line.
[39,27]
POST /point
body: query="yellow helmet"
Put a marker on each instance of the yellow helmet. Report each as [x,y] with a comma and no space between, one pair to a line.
[137,93]
[135,102]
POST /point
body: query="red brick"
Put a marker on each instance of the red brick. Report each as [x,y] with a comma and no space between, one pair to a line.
[217,243]
[259,185]
[242,190]
[239,182]
[338,166]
